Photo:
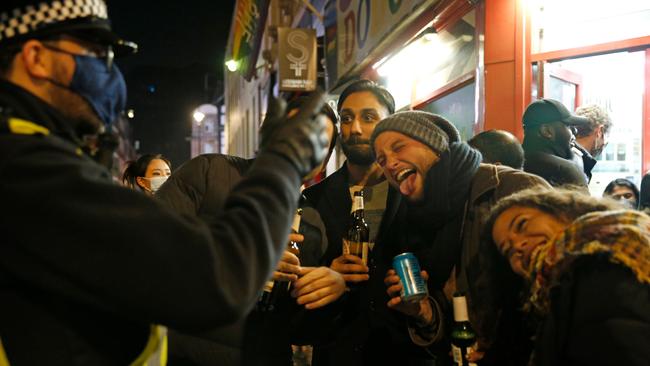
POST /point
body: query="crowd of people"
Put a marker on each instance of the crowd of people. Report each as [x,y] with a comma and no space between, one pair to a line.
[171,267]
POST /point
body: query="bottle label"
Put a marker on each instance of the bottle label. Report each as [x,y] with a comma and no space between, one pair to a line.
[357,203]
[460,355]
[360,249]
[268,286]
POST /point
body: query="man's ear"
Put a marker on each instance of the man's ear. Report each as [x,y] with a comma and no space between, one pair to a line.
[34,59]
[546,131]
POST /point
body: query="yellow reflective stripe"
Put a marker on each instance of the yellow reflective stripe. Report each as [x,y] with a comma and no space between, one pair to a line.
[23,127]
[3,356]
[155,352]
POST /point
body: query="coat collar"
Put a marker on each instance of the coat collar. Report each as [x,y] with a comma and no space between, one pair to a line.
[20,103]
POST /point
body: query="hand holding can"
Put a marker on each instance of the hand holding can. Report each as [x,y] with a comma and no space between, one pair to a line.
[414,287]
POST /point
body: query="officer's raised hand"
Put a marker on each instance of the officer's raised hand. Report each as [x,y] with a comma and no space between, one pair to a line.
[301,139]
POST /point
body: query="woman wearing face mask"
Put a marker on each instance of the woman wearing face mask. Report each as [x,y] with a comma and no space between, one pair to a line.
[147,173]
[586,265]
[623,191]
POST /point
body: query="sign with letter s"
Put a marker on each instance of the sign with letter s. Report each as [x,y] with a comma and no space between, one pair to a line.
[297,59]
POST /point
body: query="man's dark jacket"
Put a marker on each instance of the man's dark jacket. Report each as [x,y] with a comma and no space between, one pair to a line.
[86,266]
[584,160]
[359,329]
[201,187]
[546,162]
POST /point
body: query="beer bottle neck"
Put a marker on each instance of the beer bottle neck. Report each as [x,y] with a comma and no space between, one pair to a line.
[295,226]
[357,204]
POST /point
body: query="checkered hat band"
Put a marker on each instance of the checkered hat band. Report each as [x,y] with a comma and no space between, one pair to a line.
[20,21]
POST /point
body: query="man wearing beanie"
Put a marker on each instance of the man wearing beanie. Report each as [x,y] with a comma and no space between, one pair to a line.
[359,329]
[448,193]
[91,270]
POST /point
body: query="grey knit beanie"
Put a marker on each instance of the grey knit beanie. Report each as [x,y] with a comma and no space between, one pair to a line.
[428,128]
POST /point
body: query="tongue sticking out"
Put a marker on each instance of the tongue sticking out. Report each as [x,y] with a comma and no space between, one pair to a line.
[407,186]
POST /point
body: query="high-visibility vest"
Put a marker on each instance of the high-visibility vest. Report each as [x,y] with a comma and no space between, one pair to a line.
[155,351]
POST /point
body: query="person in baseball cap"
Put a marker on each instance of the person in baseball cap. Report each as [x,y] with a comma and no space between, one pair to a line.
[549,137]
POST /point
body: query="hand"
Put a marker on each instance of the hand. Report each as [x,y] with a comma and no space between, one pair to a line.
[298,238]
[318,287]
[301,139]
[351,267]
[420,310]
[288,268]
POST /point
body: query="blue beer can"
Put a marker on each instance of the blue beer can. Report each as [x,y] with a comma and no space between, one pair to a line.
[408,269]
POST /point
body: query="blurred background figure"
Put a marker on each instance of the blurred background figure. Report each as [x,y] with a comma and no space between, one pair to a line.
[587,267]
[623,191]
[147,173]
[591,138]
[499,147]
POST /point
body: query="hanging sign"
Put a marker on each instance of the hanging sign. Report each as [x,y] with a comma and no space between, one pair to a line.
[297,59]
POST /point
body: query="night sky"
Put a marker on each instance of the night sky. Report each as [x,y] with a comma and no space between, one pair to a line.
[178,67]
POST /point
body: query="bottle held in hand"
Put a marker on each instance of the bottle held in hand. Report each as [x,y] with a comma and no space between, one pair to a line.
[357,238]
[463,336]
[274,290]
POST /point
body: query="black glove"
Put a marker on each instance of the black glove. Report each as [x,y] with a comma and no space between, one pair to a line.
[301,139]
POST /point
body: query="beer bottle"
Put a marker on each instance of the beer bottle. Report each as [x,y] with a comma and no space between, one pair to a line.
[274,290]
[357,237]
[463,337]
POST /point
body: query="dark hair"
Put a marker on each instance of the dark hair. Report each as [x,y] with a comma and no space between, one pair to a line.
[138,168]
[644,200]
[499,146]
[562,203]
[7,55]
[622,182]
[382,94]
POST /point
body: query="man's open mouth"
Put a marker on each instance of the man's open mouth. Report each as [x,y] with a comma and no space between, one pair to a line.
[403,174]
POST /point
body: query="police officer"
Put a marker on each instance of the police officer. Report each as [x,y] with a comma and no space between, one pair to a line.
[86,267]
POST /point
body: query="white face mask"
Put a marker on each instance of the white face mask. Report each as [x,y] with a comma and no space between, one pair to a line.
[155,183]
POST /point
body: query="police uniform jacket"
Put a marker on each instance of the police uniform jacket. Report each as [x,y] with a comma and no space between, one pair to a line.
[86,266]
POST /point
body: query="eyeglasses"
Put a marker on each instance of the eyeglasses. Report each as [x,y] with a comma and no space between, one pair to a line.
[106,54]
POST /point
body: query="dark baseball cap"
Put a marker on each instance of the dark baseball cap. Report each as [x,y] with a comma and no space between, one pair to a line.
[545,111]
[88,20]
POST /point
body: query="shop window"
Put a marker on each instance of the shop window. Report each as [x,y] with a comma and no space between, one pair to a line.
[562,24]
[616,83]
[609,153]
[620,152]
[430,62]
[457,107]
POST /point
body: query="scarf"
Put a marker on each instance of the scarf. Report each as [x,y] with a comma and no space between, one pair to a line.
[623,236]
[435,222]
